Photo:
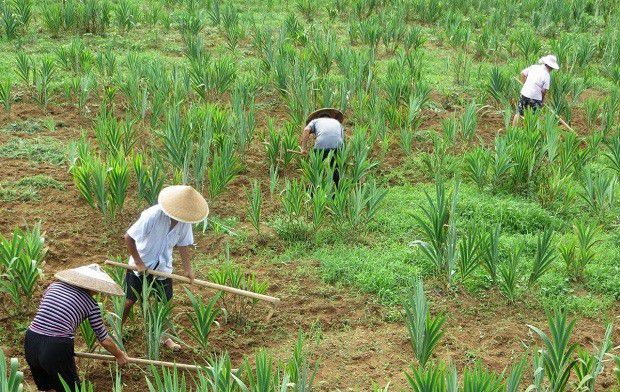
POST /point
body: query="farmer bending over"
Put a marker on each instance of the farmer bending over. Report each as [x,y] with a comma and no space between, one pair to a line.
[65,304]
[536,80]
[151,239]
[326,126]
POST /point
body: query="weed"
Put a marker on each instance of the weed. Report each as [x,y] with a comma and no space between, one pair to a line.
[40,149]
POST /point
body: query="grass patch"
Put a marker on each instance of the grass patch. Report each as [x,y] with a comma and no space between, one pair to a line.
[30,127]
[27,188]
[41,149]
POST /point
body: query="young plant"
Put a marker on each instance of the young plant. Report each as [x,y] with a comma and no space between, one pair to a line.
[6,98]
[202,318]
[298,368]
[590,365]
[509,274]
[43,79]
[613,154]
[481,380]
[273,145]
[156,320]
[150,177]
[438,225]
[424,330]
[117,183]
[477,166]
[293,198]
[254,205]
[169,380]
[88,334]
[469,122]
[263,378]
[319,201]
[11,378]
[557,353]
[115,319]
[489,251]
[598,191]
[177,139]
[273,179]
[580,250]
[27,272]
[469,254]
[218,376]
[544,256]
[224,168]
[24,68]
[431,379]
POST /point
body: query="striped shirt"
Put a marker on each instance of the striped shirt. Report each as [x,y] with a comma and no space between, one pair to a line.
[63,308]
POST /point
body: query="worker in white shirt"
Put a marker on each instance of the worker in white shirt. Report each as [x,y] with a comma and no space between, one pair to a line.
[536,81]
[151,239]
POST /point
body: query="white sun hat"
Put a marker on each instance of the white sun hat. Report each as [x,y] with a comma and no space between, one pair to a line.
[549,60]
[90,277]
[183,203]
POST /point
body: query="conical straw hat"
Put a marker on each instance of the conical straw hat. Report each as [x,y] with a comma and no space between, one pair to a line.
[90,277]
[183,203]
[331,112]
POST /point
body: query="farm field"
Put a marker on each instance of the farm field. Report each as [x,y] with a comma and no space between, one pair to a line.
[455,254]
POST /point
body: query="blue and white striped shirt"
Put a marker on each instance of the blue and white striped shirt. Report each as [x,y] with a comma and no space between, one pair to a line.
[63,308]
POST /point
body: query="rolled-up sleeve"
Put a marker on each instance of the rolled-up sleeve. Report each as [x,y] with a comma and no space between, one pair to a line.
[96,322]
[186,238]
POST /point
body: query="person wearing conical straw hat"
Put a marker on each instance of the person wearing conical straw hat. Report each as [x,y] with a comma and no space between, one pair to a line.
[68,301]
[536,80]
[326,127]
[151,239]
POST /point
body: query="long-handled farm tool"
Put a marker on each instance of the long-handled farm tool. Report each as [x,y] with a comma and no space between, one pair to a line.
[298,152]
[273,300]
[139,361]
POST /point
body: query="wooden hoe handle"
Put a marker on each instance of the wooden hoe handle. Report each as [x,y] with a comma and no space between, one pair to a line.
[199,282]
[139,361]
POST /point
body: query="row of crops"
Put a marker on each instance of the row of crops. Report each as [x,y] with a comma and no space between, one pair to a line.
[224,98]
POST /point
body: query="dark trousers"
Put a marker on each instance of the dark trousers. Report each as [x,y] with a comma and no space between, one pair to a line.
[163,287]
[528,103]
[50,358]
[333,164]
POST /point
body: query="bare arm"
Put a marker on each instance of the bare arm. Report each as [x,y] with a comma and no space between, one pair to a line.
[113,349]
[133,251]
[305,136]
[185,257]
[523,78]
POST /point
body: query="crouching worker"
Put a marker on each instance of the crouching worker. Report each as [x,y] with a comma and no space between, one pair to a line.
[152,238]
[326,126]
[49,339]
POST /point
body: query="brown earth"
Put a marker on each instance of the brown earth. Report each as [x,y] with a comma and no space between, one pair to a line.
[353,338]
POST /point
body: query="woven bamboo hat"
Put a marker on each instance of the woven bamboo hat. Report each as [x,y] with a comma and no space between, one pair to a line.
[183,203]
[331,112]
[90,277]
